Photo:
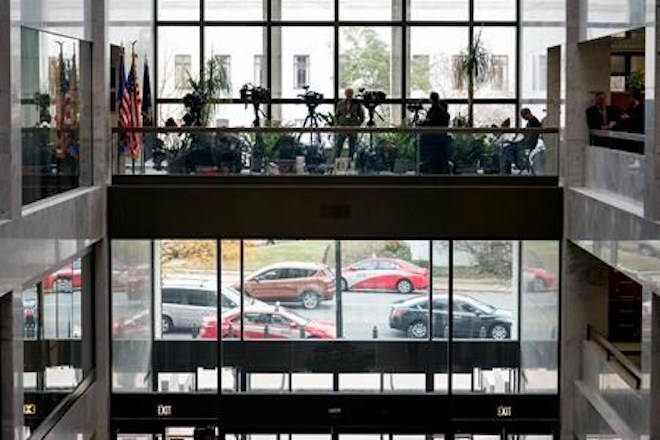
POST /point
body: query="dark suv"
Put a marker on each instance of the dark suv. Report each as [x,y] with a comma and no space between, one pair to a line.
[473,319]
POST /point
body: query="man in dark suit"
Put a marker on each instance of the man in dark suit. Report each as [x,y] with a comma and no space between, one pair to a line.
[601,116]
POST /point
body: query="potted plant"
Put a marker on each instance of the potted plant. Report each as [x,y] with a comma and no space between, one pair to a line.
[474,66]
[201,150]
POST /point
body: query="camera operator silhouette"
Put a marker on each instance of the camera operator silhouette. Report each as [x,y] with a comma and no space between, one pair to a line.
[434,154]
[349,113]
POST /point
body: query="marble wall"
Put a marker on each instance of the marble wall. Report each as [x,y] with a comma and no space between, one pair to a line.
[616,172]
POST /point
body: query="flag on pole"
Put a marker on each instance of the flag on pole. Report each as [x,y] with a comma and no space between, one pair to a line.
[124,121]
[135,141]
[74,106]
[147,105]
[62,107]
[149,139]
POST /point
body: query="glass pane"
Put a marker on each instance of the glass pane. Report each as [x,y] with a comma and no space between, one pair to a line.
[442,10]
[535,42]
[487,115]
[131,315]
[307,60]
[30,313]
[499,45]
[311,382]
[185,294]
[365,59]
[485,301]
[543,10]
[234,10]
[307,10]
[495,10]
[55,113]
[431,66]
[385,289]
[539,316]
[247,63]
[178,10]
[61,303]
[369,10]
[289,291]
[178,60]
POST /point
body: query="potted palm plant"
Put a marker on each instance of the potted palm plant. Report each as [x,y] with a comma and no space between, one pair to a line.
[201,150]
[474,66]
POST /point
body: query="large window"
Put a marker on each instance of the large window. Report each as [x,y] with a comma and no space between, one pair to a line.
[364,44]
[58,346]
[55,114]
[334,315]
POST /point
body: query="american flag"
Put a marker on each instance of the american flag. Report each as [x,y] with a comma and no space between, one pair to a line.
[130,110]
[63,108]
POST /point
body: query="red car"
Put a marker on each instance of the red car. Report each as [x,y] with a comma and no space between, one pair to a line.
[390,274]
[64,280]
[538,279]
[266,322]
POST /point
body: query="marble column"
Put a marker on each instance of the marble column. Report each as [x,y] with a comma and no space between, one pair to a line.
[584,301]
[651,364]
[11,365]
[10,92]
[586,71]
[651,149]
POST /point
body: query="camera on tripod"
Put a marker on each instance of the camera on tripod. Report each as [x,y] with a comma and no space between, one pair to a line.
[311,98]
[372,98]
[256,95]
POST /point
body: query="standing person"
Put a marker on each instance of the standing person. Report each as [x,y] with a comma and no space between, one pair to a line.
[601,116]
[349,113]
[437,115]
[434,154]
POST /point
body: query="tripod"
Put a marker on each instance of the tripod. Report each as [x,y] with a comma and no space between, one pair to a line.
[313,121]
[371,110]
[259,151]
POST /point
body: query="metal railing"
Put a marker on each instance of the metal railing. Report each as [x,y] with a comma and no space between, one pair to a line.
[409,151]
[51,421]
[613,352]
[618,140]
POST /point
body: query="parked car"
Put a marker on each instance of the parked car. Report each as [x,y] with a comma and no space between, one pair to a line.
[306,283]
[390,274]
[266,322]
[537,279]
[67,279]
[472,319]
[185,303]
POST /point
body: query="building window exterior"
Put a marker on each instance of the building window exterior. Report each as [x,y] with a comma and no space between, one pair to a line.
[224,62]
[259,70]
[540,72]
[182,65]
[500,72]
[300,71]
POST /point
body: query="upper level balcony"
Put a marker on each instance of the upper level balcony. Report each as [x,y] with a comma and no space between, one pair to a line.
[526,156]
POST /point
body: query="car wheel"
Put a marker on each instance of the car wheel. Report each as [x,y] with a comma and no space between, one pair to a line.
[166,324]
[417,330]
[646,251]
[499,332]
[404,286]
[538,285]
[344,285]
[310,300]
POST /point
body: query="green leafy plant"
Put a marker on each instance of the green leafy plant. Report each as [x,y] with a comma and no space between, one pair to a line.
[637,82]
[213,84]
[474,65]
[405,143]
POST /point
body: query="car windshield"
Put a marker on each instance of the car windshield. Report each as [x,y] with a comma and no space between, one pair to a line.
[480,305]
